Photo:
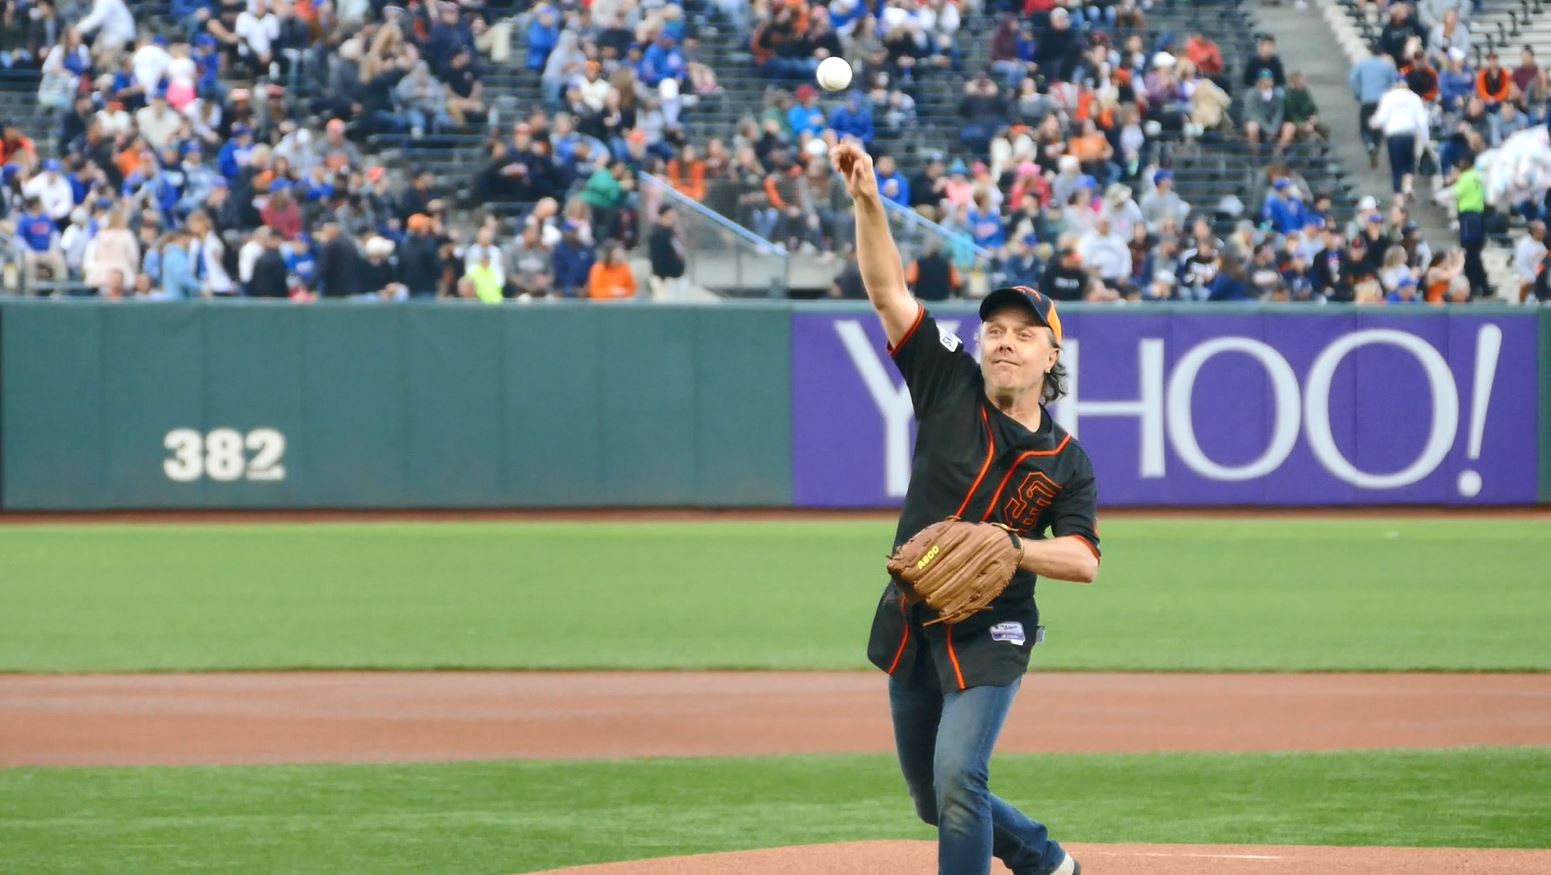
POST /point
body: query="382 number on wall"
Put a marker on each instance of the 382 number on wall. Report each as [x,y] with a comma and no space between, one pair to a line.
[224,455]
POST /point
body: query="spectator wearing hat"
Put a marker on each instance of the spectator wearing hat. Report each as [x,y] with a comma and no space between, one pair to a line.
[530,266]
[806,116]
[573,262]
[1404,292]
[1284,209]
[1470,204]
[379,271]
[42,252]
[419,262]
[53,189]
[235,155]
[1456,82]
[1265,113]
[1163,202]
[663,59]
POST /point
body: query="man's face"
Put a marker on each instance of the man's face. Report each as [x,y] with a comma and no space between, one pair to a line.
[1016,351]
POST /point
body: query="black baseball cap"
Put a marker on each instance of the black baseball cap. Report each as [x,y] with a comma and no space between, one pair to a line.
[1036,301]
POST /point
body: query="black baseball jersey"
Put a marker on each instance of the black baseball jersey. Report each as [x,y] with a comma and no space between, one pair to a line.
[975,462]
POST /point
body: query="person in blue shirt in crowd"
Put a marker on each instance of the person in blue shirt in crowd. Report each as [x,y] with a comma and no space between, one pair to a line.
[1370,80]
[234,155]
[573,262]
[1229,284]
[1404,292]
[985,223]
[178,279]
[1284,209]
[891,183]
[661,60]
[41,237]
[853,119]
[806,115]
[543,35]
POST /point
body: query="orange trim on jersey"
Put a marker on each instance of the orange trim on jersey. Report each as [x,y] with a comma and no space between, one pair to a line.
[953,657]
[1089,544]
[984,467]
[894,347]
[903,639]
[997,496]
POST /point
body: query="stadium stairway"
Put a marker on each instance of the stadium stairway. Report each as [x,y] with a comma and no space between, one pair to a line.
[1305,41]
[1502,24]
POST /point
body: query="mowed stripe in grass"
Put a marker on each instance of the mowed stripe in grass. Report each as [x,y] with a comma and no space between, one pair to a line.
[1174,594]
[519,816]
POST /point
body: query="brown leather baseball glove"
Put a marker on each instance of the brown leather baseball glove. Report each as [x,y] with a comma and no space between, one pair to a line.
[957,568]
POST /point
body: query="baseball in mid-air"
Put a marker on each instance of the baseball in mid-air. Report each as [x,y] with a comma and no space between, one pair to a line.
[834,74]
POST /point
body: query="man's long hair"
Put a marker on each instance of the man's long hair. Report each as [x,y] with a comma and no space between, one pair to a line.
[1055,384]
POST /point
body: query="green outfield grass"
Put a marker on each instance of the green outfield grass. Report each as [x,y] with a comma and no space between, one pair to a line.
[520,816]
[1347,594]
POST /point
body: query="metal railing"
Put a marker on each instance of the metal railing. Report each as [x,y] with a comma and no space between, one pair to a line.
[914,234]
[723,257]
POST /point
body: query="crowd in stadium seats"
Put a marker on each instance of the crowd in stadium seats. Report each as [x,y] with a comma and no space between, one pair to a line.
[1433,111]
[231,147]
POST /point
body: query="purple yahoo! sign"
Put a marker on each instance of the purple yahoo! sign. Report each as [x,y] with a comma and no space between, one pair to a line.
[1230,408]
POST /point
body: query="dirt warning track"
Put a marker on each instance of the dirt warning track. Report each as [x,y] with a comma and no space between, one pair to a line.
[428,716]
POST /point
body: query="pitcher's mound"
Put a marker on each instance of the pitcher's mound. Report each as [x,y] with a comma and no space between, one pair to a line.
[901,858]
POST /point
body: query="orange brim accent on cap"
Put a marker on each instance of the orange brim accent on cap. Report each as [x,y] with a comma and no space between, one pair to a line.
[1053,320]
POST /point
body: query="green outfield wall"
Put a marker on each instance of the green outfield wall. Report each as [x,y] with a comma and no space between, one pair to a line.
[254,405]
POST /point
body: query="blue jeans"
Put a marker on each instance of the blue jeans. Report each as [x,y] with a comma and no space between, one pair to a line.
[945,743]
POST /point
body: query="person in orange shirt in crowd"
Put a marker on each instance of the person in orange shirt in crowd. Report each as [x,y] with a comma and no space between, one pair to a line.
[611,277]
[1421,76]
[17,148]
[1494,85]
[686,173]
[1205,55]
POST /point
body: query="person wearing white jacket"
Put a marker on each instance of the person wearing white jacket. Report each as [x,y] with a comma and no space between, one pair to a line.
[1402,118]
[113,22]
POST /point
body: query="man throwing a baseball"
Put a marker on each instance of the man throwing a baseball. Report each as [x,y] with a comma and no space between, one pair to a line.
[999,495]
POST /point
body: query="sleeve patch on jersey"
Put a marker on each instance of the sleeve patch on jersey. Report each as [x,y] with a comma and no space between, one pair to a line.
[950,341]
